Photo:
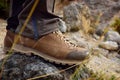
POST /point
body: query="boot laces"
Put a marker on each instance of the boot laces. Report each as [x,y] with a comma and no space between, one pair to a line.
[66,40]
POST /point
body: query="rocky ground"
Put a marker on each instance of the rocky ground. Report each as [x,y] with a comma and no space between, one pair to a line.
[86,24]
[2,35]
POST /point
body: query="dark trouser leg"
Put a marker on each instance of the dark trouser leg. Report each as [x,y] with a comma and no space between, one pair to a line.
[16,7]
[42,21]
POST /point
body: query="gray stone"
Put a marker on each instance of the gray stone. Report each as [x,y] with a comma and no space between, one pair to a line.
[103,12]
[109,45]
[2,53]
[100,28]
[82,43]
[62,26]
[22,67]
[102,51]
[96,36]
[99,4]
[73,16]
[112,36]
[77,39]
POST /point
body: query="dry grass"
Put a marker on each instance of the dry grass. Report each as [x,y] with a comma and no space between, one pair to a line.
[80,73]
[116,24]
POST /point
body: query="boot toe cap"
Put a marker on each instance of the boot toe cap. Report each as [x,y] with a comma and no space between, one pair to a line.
[78,55]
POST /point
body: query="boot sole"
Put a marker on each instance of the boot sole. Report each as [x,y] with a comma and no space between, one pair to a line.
[29,51]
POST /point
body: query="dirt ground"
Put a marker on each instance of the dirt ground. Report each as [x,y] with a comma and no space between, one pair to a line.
[2,35]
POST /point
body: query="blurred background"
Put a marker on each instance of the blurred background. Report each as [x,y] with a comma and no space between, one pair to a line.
[4,8]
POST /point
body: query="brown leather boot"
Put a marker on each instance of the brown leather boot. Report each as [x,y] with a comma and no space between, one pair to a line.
[51,47]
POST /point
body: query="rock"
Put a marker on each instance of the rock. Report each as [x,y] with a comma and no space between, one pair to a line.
[103,65]
[82,44]
[113,55]
[2,54]
[103,12]
[76,16]
[103,6]
[98,66]
[22,67]
[101,28]
[109,45]
[96,36]
[112,36]
[77,38]
[102,51]
[99,4]
[62,26]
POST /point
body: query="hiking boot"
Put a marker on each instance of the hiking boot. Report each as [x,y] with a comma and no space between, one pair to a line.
[51,47]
